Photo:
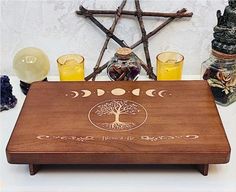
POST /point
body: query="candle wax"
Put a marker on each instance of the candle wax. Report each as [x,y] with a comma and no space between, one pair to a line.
[71,71]
[169,70]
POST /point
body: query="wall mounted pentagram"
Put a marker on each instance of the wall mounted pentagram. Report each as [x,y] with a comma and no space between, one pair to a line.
[144,38]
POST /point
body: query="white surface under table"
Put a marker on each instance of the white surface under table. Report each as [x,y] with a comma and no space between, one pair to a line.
[16,178]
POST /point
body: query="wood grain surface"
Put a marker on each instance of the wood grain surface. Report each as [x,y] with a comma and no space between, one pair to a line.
[173,122]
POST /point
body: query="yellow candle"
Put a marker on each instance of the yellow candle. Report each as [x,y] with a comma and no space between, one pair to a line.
[71,67]
[169,66]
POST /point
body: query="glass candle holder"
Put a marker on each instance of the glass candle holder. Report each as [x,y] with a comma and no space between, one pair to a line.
[169,66]
[71,67]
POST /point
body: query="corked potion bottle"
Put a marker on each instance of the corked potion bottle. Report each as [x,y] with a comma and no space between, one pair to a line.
[220,69]
[124,66]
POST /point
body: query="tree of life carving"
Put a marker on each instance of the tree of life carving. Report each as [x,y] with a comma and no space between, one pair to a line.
[117,108]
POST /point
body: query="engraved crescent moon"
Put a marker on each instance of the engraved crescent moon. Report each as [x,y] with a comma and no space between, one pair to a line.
[160,93]
[136,92]
[76,94]
[118,92]
[86,93]
[150,92]
[100,92]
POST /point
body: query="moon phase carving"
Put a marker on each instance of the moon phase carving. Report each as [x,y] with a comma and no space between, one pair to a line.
[100,92]
[136,92]
[86,93]
[164,93]
[119,92]
[150,92]
[73,94]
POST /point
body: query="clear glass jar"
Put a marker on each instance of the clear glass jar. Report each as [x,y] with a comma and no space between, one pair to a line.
[220,72]
[124,66]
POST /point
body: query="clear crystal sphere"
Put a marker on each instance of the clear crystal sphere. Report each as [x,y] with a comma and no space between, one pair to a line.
[31,64]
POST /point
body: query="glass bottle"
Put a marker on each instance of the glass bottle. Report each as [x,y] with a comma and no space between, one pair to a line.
[220,72]
[124,66]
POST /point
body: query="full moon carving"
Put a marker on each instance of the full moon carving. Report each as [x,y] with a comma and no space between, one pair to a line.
[118,92]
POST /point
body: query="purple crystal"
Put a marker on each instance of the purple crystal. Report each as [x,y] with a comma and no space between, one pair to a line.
[8,100]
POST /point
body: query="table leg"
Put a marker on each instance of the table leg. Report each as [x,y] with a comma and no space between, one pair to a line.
[33,168]
[203,169]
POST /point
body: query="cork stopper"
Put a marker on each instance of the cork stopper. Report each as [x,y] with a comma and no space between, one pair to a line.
[223,55]
[124,53]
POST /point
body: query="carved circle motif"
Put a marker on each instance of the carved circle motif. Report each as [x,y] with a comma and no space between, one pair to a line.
[117,115]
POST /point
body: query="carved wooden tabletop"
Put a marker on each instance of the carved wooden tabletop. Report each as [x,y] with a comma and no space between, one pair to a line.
[119,123]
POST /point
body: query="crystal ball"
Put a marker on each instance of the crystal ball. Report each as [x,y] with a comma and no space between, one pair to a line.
[31,64]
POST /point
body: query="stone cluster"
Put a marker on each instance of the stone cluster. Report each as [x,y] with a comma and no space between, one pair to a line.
[8,100]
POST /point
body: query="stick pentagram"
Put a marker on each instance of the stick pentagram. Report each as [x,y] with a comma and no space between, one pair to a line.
[144,39]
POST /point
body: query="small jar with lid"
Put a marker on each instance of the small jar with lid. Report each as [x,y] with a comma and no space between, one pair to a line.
[124,66]
[220,72]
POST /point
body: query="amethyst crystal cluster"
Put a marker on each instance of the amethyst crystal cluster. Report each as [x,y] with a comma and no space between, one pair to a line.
[8,100]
